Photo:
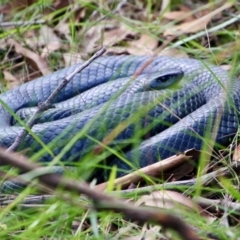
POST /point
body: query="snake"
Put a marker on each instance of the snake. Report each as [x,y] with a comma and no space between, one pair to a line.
[152,124]
[104,92]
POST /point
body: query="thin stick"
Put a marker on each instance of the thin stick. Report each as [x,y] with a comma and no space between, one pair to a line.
[205,181]
[217,205]
[45,104]
[22,23]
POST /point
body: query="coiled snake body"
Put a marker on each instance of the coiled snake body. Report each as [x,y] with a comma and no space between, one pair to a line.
[171,121]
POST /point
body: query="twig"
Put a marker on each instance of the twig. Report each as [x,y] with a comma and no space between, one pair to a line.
[45,104]
[217,205]
[224,219]
[22,23]
[101,201]
[205,180]
[153,170]
[28,202]
[6,199]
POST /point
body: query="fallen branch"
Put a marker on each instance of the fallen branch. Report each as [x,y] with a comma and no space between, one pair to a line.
[101,201]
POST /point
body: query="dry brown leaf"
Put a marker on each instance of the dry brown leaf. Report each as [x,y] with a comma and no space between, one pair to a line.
[50,39]
[11,80]
[46,39]
[173,52]
[63,29]
[188,27]
[147,233]
[184,14]
[176,15]
[10,6]
[196,25]
[227,51]
[145,45]
[58,4]
[91,39]
[183,170]
[116,35]
[236,154]
[226,67]
[109,35]
[72,58]
[33,58]
[123,232]
[152,232]
[173,200]
[117,51]
[166,200]
[63,25]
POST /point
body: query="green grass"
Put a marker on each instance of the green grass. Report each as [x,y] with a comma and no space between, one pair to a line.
[62,219]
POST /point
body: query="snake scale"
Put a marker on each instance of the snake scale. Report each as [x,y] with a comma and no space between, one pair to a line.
[158,123]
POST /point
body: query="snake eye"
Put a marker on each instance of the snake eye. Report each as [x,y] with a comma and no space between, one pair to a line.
[165,78]
[162,79]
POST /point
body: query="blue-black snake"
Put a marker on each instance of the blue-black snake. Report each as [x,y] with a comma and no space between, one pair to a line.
[162,122]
